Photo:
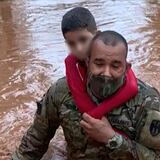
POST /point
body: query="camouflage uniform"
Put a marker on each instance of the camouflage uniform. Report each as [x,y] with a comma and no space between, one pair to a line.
[139,118]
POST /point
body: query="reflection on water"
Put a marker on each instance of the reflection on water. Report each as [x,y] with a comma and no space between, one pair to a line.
[33,49]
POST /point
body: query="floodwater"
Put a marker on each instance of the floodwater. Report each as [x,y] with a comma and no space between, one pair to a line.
[32,51]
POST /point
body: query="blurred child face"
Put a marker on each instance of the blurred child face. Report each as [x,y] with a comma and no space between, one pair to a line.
[78,42]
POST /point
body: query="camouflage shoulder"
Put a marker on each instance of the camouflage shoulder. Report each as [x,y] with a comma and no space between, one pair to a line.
[147,115]
[147,96]
[59,91]
[147,89]
[151,96]
[149,119]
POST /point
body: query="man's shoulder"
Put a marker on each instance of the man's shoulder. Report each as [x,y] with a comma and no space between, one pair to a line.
[146,89]
[150,96]
[148,115]
[59,91]
[147,96]
[60,85]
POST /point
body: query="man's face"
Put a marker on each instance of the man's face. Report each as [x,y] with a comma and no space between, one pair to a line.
[78,42]
[107,60]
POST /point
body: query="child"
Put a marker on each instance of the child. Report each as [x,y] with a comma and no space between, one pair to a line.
[78,28]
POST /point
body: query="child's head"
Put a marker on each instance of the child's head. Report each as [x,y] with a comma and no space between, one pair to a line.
[78,28]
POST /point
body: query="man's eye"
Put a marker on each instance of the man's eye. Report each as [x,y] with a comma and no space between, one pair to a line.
[99,64]
[115,66]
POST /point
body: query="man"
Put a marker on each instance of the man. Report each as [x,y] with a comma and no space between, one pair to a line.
[92,139]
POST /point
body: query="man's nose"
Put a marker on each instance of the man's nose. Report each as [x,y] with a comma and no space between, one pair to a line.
[106,72]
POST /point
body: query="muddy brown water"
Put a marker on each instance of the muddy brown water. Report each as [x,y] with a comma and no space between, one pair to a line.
[32,51]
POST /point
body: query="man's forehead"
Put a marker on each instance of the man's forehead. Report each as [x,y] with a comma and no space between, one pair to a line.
[100,50]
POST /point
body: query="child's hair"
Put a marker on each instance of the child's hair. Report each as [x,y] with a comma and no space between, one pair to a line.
[111,38]
[78,18]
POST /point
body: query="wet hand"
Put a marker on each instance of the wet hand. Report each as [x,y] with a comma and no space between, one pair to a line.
[99,130]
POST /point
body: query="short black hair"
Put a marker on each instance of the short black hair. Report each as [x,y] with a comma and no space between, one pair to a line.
[111,38]
[78,18]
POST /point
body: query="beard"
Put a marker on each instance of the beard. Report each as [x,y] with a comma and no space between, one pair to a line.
[103,86]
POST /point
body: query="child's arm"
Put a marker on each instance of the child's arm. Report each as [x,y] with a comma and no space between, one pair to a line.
[76,85]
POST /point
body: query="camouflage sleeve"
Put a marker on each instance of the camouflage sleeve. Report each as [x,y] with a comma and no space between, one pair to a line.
[36,140]
[147,144]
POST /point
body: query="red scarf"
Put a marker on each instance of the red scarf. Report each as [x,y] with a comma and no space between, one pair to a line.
[76,72]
